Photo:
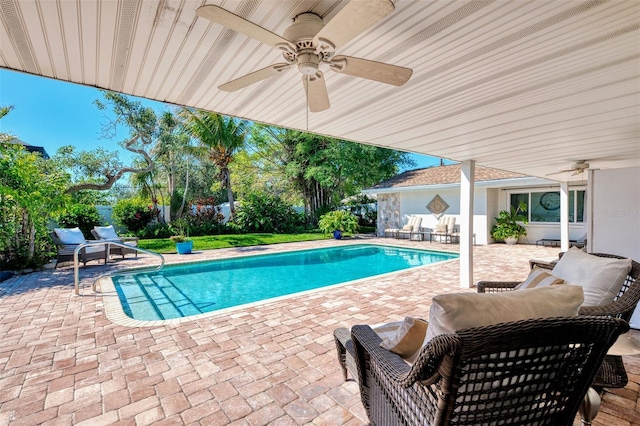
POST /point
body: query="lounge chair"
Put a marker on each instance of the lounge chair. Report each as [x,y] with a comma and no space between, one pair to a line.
[108,233]
[612,374]
[412,227]
[67,240]
[393,232]
[445,228]
[534,371]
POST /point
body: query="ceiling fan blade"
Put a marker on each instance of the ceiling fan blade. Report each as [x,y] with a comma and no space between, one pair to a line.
[354,18]
[239,25]
[316,90]
[254,77]
[372,70]
[559,172]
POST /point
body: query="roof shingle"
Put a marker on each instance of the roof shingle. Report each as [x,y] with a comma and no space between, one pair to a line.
[440,175]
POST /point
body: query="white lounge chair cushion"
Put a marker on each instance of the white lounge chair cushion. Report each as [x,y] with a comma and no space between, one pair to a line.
[441,228]
[601,278]
[413,225]
[106,233]
[405,339]
[458,311]
[70,235]
[539,278]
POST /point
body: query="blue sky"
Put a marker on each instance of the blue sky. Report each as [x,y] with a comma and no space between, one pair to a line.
[52,113]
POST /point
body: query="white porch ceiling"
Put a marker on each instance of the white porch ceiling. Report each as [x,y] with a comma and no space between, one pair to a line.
[524,86]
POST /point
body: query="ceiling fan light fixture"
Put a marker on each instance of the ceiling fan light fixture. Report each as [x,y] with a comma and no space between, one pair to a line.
[308,63]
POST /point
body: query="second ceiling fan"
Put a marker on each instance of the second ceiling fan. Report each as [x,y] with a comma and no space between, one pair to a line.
[308,43]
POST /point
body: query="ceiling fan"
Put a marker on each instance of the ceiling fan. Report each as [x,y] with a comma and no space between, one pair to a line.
[577,168]
[309,43]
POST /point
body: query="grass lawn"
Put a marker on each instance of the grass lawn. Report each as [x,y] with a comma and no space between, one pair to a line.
[165,245]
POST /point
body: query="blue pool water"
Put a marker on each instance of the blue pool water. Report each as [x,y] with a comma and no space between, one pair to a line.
[184,290]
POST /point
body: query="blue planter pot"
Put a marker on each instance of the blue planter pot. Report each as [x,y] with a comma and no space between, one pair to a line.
[337,234]
[184,247]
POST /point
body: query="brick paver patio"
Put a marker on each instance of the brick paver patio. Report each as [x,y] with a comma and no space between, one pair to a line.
[63,362]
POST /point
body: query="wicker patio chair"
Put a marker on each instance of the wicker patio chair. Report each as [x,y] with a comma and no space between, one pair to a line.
[534,371]
[612,374]
[107,233]
[65,252]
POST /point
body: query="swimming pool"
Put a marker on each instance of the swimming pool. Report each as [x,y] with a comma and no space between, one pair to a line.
[179,291]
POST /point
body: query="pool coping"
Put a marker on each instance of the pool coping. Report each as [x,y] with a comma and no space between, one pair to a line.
[115,313]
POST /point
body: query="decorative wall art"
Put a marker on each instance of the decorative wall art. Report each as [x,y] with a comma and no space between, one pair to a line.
[437,206]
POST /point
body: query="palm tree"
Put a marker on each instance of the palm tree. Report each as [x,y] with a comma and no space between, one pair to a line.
[219,138]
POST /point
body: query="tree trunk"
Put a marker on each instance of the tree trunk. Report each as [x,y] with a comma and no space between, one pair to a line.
[184,195]
[28,230]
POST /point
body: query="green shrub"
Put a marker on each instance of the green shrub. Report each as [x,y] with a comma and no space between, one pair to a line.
[341,220]
[30,193]
[232,228]
[83,216]
[261,212]
[205,217]
[134,214]
[155,230]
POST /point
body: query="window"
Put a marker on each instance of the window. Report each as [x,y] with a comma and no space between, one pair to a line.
[545,206]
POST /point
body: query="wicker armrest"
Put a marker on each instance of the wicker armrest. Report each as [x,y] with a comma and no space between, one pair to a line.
[496,286]
[365,340]
[129,239]
[621,308]
[424,369]
[608,310]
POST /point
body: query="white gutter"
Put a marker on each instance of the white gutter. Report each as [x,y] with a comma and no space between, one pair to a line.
[498,183]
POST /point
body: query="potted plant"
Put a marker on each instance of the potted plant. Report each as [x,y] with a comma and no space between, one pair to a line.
[507,227]
[338,221]
[184,244]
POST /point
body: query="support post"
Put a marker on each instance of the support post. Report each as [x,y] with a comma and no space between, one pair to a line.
[564,216]
[467,178]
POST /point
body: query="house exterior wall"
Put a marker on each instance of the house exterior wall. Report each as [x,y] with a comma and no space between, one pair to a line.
[398,207]
[414,203]
[493,208]
[614,210]
[539,231]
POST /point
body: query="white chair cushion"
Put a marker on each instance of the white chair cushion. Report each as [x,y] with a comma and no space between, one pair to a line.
[539,278]
[441,228]
[70,235]
[106,232]
[407,339]
[601,278]
[458,311]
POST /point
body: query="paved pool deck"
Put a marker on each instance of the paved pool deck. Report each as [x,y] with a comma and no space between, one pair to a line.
[63,362]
